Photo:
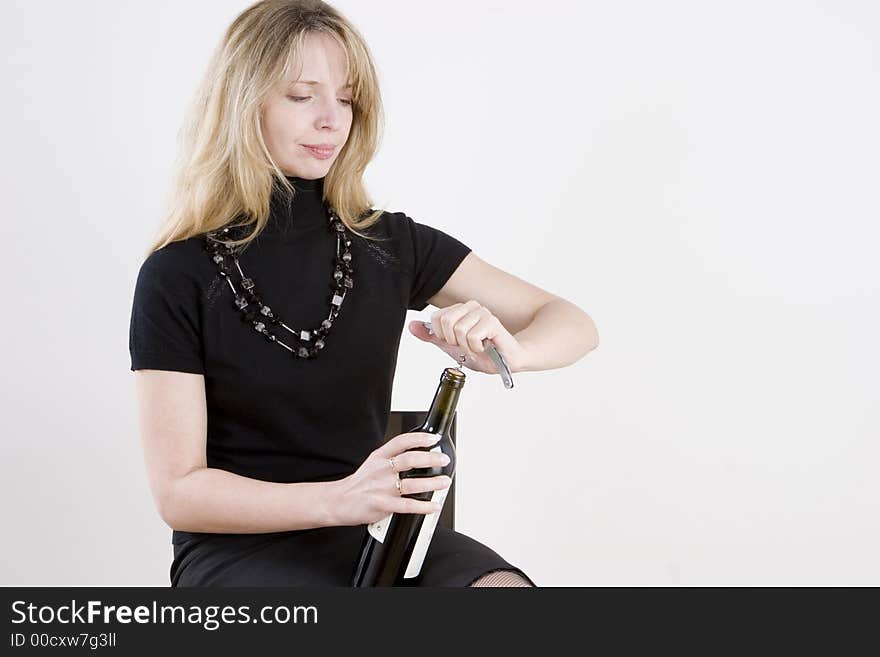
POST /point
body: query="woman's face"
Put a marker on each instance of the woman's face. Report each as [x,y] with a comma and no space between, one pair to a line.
[313,111]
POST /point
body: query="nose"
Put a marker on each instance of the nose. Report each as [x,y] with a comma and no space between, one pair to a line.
[330,115]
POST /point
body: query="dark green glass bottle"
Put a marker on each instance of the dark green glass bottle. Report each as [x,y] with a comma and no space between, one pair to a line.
[394,547]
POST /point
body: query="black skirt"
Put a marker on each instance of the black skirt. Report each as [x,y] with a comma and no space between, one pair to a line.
[323,556]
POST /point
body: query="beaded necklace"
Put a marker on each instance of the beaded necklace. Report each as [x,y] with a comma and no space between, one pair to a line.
[251,307]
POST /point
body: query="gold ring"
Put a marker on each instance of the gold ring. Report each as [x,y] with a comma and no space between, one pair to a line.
[399,490]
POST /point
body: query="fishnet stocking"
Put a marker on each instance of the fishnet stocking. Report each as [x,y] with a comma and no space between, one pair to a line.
[501,578]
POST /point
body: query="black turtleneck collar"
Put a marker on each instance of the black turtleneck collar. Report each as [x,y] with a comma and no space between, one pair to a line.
[304,211]
[304,184]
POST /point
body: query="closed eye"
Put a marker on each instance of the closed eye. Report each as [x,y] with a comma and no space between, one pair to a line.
[299,99]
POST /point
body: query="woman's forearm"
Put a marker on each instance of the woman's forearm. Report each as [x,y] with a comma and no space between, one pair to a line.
[217,501]
[559,334]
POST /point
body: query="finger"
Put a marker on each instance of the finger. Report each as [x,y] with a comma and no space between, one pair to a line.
[409,505]
[405,441]
[464,326]
[419,459]
[436,321]
[440,322]
[443,321]
[413,485]
[479,332]
[418,329]
[454,335]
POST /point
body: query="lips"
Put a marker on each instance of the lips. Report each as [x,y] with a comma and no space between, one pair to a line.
[320,151]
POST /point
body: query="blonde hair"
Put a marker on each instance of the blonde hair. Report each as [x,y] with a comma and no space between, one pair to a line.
[224,171]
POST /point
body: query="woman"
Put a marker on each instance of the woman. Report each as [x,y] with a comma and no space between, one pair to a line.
[263,438]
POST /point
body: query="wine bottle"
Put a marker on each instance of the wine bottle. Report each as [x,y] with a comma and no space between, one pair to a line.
[394,547]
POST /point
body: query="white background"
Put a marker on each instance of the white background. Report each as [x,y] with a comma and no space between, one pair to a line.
[701,178]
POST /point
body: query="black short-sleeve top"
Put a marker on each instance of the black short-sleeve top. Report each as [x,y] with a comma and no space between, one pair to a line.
[272,415]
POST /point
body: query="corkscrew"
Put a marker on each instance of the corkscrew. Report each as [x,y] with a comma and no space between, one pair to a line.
[496,357]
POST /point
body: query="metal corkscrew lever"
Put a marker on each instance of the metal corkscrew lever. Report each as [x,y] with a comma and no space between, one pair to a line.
[496,357]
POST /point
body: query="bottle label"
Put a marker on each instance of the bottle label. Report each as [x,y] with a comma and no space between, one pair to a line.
[379,528]
[414,566]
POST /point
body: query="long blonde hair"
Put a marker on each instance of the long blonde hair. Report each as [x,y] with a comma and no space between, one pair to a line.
[224,172]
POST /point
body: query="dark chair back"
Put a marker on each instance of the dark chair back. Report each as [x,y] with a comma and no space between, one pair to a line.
[402,422]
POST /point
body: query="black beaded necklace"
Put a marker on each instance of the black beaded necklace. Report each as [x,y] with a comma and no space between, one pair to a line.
[251,306]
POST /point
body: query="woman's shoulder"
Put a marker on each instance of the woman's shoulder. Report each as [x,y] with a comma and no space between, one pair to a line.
[181,270]
[393,226]
[399,223]
[181,257]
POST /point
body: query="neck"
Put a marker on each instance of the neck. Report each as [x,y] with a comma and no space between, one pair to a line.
[306,184]
[303,210]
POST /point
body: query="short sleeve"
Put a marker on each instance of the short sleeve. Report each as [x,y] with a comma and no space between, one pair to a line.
[435,257]
[164,333]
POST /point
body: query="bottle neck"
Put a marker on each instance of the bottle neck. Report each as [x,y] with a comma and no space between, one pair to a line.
[439,418]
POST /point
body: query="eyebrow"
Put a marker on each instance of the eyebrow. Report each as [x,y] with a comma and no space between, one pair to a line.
[314,82]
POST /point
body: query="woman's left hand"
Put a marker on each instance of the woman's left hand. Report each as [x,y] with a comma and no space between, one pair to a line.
[460,329]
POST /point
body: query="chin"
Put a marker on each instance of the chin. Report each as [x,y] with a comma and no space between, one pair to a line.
[319,165]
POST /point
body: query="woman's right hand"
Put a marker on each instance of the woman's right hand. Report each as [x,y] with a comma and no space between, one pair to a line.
[370,493]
